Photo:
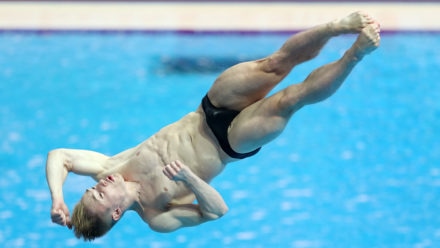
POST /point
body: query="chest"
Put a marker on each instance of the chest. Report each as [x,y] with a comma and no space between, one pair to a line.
[157,191]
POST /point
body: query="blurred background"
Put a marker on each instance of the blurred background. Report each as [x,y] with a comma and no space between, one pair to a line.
[209,15]
[360,169]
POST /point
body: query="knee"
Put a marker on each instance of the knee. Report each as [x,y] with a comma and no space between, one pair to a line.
[281,63]
[276,64]
[290,99]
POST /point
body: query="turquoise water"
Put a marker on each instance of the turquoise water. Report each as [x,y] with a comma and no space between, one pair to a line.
[358,170]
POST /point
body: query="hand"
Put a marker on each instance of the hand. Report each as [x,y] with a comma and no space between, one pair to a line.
[176,171]
[60,214]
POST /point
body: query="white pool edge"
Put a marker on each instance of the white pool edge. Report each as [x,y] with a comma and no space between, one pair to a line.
[211,16]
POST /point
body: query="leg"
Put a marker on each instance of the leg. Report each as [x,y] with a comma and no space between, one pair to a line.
[263,121]
[246,83]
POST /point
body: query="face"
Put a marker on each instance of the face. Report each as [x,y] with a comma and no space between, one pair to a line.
[106,195]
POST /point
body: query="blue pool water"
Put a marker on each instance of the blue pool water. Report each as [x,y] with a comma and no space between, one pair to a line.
[358,170]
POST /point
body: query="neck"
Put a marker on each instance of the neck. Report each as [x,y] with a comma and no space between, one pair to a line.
[132,202]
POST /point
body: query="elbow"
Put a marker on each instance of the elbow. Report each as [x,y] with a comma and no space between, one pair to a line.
[52,153]
[55,153]
[224,210]
[61,155]
[216,214]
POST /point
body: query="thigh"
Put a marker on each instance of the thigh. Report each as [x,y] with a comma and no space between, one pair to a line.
[256,125]
[243,84]
[263,121]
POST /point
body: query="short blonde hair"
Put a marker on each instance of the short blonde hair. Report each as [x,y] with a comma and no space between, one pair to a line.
[87,224]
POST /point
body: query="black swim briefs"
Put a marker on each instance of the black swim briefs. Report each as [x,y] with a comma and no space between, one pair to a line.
[218,120]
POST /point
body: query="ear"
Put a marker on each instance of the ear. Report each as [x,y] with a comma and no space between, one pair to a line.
[117,213]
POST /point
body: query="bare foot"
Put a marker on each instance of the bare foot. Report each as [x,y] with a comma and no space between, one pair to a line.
[353,23]
[367,41]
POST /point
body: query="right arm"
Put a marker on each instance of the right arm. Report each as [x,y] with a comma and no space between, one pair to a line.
[210,205]
[210,202]
[59,163]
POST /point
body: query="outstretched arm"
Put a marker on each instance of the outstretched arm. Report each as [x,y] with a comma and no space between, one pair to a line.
[210,206]
[59,163]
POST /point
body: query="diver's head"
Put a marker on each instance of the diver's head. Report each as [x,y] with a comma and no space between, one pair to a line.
[99,208]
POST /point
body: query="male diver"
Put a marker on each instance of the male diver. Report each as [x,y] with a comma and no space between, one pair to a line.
[161,178]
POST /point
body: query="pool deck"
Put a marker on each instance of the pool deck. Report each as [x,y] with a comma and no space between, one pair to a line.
[209,16]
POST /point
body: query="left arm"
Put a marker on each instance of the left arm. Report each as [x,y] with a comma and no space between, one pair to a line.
[59,163]
[210,206]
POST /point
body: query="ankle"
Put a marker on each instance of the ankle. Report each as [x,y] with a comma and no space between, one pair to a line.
[354,54]
[331,28]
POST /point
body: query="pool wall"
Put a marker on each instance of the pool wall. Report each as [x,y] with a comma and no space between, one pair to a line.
[210,15]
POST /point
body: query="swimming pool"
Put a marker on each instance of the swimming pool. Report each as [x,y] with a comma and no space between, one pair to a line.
[358,170]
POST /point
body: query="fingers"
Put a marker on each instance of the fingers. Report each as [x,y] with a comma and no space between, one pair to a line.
[175,170]
[68,223]
[60,218]
[60,214]
[167,172]
[171,170]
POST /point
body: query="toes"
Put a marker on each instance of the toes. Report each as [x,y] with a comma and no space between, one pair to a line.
[369,19]
[365,18]
[373,28]
[372,31]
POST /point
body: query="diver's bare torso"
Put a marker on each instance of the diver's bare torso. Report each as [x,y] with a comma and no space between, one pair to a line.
[188,140]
